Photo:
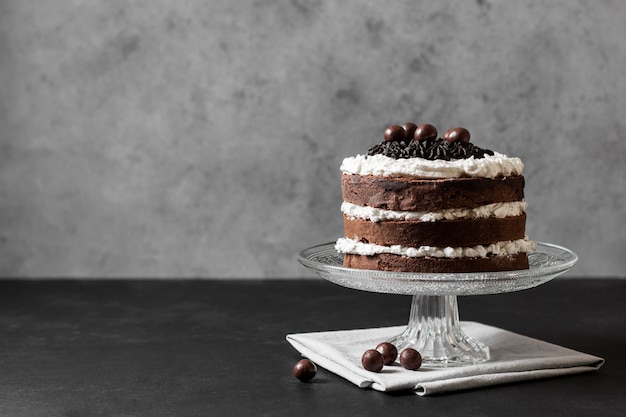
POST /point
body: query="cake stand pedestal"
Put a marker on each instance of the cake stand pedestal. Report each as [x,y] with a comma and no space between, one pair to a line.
[434,328]
[434,331]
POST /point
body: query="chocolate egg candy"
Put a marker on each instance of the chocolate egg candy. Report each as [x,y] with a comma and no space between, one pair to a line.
[394,133]
[372,360]
[304,370]
[409,128]
[425,131]
[410,359]
[389,352]
[457,134]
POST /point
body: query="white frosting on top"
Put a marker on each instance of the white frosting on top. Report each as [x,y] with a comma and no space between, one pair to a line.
[495,210]
[491,166]
[511,247]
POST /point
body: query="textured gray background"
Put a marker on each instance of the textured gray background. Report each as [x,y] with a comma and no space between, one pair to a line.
[203,138]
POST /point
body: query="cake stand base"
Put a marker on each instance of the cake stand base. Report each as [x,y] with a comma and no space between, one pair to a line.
[434,331]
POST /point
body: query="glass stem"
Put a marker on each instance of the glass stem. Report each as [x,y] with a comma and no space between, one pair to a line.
[434,330]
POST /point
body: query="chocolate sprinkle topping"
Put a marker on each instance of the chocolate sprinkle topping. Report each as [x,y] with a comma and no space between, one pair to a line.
[430,149]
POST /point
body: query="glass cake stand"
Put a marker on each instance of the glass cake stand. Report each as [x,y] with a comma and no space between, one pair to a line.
[434,329]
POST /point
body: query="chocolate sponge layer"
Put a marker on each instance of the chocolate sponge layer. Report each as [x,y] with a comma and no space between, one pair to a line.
[389,262]
[455,233]
[408,194]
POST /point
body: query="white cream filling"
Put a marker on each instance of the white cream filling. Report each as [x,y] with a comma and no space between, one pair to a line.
[495,210]
[491,166]
[511,247]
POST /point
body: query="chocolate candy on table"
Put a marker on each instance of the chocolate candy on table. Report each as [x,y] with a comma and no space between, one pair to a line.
[394,133]
[304,370]
[410,359]
[425,131]
[457,134]
[389,352]
[372,360]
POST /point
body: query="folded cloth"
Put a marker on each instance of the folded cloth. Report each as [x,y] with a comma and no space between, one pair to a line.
[513,358]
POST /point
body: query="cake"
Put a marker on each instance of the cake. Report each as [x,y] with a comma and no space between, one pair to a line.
[422,203]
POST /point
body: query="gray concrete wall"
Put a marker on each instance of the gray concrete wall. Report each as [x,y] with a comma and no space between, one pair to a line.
[203,138]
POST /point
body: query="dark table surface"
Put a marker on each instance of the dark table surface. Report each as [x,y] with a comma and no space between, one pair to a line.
[217,348]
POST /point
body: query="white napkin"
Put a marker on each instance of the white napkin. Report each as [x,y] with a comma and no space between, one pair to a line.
[513,358]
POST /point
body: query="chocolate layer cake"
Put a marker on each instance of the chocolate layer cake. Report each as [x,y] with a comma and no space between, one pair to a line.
[419,203]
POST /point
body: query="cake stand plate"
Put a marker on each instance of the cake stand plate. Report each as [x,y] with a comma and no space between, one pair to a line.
[433,327]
